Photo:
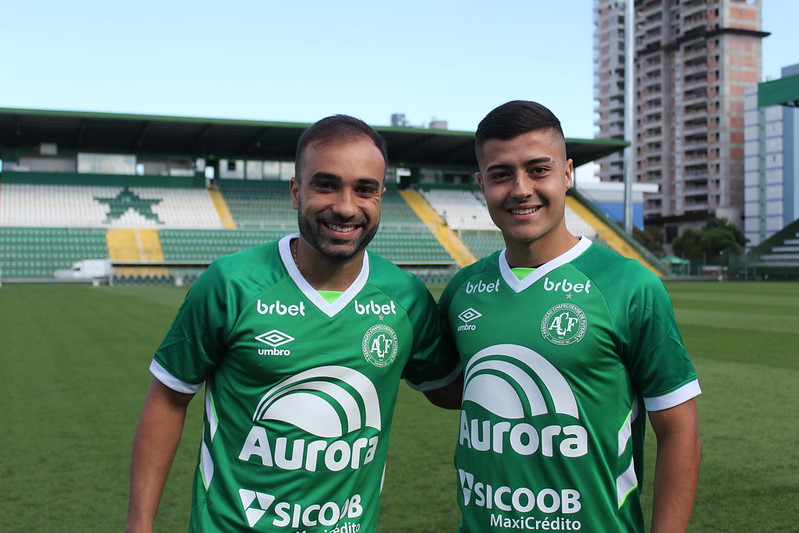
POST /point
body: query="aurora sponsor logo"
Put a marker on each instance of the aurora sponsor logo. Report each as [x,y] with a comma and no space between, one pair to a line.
[467,316]
[379,345]
[337,408]
[518,384]
[564,324]
[274,338]
[294,515]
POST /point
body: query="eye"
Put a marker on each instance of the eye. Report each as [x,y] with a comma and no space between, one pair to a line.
[325,185]
[367,189]
[539,171]
[499,176]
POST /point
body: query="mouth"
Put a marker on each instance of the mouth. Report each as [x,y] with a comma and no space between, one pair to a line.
[340,229]
[524,210]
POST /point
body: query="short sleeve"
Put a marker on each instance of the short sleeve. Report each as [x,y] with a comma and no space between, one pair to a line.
[659,364]
[433,362]
[195,341]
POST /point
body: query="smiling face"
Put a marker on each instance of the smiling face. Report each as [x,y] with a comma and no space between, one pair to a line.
[524,181]
[338,194]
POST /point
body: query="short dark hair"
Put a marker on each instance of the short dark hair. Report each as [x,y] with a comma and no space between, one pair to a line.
[338,127]
[513,119]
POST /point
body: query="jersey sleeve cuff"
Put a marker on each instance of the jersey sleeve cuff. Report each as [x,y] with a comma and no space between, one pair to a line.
[163,375]
[674,398]
[438,383]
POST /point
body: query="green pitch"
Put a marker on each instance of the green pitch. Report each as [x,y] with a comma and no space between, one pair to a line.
[74,374]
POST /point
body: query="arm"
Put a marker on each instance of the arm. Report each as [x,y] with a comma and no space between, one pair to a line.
[154,446]
[676,467]
[449,396]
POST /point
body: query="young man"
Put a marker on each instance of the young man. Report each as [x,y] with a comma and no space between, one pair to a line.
[301,345]
[565,347]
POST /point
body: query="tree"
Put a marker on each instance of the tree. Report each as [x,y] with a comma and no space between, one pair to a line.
[651,238]
[718,238]
[723,223]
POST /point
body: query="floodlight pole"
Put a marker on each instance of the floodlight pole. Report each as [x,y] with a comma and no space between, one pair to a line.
[629,113]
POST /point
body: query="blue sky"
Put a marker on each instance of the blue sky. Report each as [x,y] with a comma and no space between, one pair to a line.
[301,61]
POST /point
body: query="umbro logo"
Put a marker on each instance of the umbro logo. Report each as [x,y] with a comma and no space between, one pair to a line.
[470,314]
[274,339]
[467,316]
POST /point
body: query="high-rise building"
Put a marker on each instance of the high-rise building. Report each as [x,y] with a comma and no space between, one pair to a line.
[609,17]
[772,156]
[694,59]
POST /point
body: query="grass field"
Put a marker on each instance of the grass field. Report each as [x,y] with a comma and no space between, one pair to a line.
[74,373]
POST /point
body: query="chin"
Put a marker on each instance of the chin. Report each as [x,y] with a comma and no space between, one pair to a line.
[341,252]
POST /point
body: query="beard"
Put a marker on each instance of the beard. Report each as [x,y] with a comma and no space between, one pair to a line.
[334,249]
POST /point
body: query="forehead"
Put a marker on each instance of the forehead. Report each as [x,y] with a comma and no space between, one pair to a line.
[527,146]
[343,156]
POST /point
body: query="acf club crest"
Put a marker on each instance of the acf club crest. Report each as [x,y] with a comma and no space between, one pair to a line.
[379,345]
[564,324]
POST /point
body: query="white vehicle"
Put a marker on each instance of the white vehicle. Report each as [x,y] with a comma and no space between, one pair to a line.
[87,269]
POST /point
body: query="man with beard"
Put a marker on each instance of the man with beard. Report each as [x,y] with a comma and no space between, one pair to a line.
[301,344]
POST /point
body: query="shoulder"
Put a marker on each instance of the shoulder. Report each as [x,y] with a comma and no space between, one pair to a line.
[627,287]
[259,255]
[256,266]
[481,266]
[606,266]
[391,279]
[489,262]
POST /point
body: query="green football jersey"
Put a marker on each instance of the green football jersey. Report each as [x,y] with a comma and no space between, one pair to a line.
[559,369]
[299,392]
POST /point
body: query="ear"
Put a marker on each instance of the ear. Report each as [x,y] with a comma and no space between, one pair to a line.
[569,173]
[479,178]
[294,187]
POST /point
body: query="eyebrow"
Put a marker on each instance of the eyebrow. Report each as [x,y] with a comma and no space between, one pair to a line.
[324,176]
[534,161]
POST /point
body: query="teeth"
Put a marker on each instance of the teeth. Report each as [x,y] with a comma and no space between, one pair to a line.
[524,211]
[342,229]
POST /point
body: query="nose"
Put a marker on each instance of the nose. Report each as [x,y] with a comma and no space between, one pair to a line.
[523,187]
[345,204]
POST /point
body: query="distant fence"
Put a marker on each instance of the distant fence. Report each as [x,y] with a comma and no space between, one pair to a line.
[735,267]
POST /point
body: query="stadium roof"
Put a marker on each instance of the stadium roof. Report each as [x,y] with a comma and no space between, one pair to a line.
[76,131]
[784,91]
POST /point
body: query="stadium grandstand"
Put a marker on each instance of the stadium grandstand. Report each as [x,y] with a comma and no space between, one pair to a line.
[130,198]
[778,256]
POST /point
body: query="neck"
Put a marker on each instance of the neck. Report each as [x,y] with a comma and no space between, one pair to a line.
[323,273]
[536,253]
